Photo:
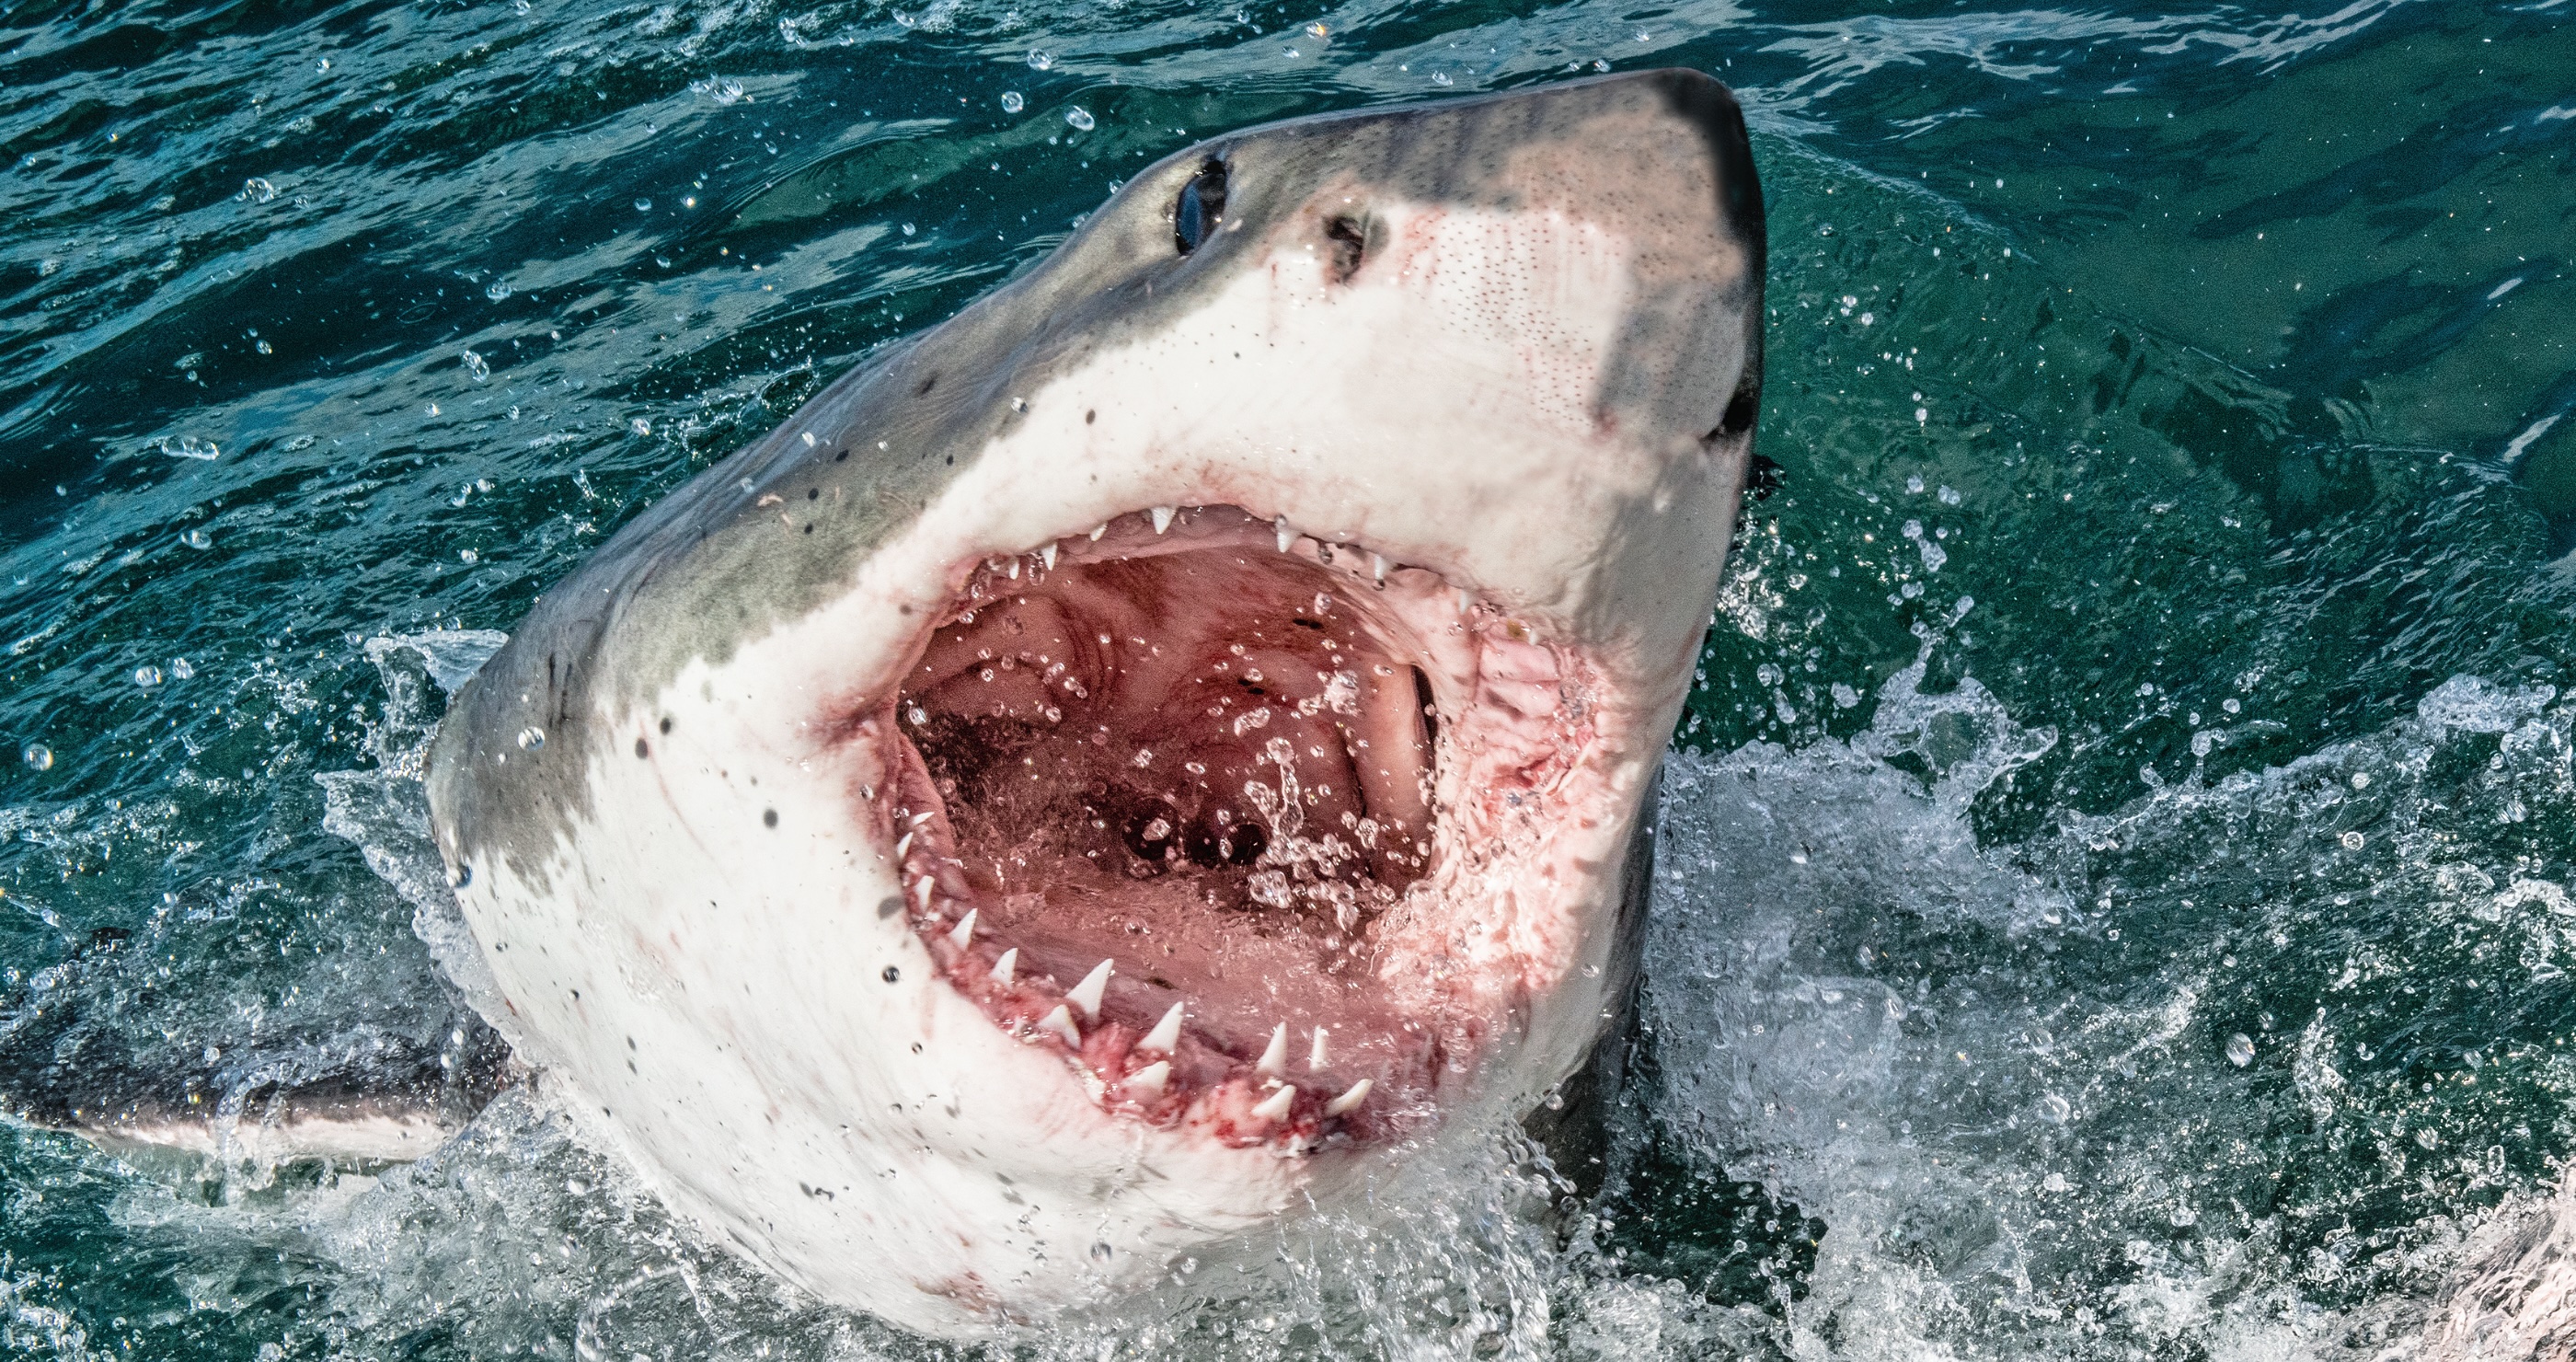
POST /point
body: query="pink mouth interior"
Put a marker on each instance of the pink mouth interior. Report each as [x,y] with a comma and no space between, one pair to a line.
[1212,763]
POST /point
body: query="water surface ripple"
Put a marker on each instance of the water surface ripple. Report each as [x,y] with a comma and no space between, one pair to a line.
[2115,896]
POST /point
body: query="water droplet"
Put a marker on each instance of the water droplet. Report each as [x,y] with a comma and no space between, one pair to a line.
[1914,484]
[640,426]
[1012,103]
[265,348]
[475,365]
[196,539]
[643,205]
[909,229]
[530,739]
[2352,841]
[256,190]
[497,291]
[2054,1108]
[37,756]
[182,669]
[188,447]
[1040,59]
[1080,118]
[468,556]
[2240,1049]
[147,675]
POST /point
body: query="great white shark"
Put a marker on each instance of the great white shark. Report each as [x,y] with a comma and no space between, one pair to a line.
[1137,757]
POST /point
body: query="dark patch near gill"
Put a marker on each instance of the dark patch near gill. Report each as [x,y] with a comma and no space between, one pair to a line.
[1761,477]
[1430,711]
[922,389]
[1349,246]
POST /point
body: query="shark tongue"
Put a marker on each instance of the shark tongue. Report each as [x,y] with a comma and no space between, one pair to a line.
[1203,764]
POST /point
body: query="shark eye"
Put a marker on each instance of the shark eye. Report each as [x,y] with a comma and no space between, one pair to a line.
[1201,204]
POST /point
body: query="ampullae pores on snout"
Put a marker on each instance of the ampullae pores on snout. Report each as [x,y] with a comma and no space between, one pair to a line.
[1113,770]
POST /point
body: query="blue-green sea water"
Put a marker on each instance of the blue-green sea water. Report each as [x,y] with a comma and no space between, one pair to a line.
[2118,880]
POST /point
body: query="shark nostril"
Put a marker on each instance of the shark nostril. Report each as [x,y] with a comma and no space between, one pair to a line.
[1349,238]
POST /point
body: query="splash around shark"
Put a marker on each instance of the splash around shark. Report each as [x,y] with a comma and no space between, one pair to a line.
[1123,765]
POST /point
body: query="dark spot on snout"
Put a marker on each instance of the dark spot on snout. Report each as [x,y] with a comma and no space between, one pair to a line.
[1349,246]
[666,723]
[888,906]
[642,749]
[844,454]
[892,974]
[1090,416]
[769,818]
[813,493]
[923,389]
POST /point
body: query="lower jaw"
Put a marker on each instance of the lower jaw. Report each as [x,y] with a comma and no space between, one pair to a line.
[1205,807]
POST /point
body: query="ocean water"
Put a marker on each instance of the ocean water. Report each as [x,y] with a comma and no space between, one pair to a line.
[2117,893]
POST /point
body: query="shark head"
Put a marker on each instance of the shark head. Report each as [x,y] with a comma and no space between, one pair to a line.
[1124,764]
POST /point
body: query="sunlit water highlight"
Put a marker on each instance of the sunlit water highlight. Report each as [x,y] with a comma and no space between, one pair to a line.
[2115,896]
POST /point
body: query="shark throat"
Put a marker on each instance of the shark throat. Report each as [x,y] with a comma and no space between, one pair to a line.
[1170,800]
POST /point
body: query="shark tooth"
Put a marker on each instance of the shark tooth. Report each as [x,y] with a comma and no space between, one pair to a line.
[1059,1024]
[1007,968]
[1316,1053]
[1349,1101]
[1163,517]
[1086,995]
[1274,1061]
[1276,1104]
[1166,1034]
[964,931]
[1148,1082]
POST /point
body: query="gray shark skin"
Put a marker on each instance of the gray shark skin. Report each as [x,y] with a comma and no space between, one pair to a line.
[359,1097]
[1125,764]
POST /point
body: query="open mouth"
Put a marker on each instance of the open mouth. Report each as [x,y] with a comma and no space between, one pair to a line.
[1220,810]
